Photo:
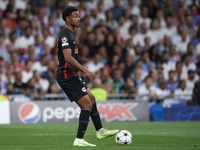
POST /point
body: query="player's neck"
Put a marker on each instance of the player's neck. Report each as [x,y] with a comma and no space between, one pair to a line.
[71,28]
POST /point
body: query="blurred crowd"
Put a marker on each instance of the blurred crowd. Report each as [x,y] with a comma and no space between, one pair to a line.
[133,46]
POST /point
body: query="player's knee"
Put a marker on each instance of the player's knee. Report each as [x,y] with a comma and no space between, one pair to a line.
[90,107]
[87,106]
[92,99]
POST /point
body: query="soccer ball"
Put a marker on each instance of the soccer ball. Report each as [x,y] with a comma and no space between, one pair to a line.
[123,137]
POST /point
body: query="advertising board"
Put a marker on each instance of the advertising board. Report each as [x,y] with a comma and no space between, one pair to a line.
[65,111]
[188,113]
[4,112]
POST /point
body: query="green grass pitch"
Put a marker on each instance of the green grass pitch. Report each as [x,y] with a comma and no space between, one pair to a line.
[60,136]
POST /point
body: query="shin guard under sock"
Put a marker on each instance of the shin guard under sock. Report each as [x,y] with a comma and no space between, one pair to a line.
[83,123]
[95,117]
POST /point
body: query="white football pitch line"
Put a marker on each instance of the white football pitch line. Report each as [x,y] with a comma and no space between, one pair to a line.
[93,133]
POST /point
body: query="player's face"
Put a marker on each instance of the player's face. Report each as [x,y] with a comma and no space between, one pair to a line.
[75,19]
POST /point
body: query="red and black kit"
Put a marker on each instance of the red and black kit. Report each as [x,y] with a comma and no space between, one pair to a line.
[67,76]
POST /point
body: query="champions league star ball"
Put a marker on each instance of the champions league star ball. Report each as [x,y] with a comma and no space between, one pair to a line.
[123,137]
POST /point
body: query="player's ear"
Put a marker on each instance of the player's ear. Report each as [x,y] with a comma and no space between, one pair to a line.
[67,18]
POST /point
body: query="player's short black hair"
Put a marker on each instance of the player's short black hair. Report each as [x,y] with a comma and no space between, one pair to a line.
[68,11]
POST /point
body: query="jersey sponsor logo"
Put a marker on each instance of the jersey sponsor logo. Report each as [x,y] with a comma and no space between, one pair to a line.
[64,41]
[83,89]
[76,50]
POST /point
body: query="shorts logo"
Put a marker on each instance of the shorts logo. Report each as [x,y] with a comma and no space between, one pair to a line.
[29,113]
[64,41]
[83,89]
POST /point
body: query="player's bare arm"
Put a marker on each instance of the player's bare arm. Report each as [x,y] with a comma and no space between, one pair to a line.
[75,64]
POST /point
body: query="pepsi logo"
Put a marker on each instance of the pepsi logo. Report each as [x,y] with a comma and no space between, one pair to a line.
[29,113]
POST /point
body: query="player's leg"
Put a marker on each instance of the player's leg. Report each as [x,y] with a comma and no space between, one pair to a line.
[86,106]
[76,91]
[101,132]
[94,112]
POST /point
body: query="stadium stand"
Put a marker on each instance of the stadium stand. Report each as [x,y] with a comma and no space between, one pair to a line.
[139,49]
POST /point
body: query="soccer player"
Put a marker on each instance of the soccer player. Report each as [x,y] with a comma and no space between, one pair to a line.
[72,85]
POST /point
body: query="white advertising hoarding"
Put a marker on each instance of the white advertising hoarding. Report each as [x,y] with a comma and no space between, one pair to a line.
[4,112]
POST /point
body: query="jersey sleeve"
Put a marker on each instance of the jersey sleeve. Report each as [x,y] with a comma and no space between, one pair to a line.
[65,41]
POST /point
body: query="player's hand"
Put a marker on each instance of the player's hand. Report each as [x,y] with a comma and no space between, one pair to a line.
[90,75]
